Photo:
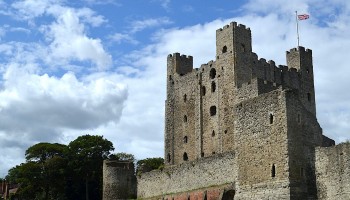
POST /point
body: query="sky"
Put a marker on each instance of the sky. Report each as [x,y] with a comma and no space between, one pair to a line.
[70,68]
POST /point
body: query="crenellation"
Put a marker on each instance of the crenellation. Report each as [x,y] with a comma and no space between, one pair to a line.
[244,125]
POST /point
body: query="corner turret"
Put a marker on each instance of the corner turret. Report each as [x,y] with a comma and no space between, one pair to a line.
[301,59]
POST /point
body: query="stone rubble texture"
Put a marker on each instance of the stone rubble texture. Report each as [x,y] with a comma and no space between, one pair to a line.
[240,127]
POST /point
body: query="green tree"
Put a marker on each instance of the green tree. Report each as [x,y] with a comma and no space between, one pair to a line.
[122,156]
[87,153]
[149,164]
[43,174]
[42,151]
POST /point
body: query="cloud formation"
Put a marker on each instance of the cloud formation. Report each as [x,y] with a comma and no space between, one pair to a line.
[68,82]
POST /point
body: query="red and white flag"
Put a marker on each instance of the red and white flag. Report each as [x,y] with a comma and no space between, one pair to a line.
[303,16]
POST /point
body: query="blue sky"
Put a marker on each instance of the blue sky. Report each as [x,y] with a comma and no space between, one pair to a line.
[99,67]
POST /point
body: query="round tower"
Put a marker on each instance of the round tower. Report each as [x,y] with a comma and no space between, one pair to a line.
[119,180]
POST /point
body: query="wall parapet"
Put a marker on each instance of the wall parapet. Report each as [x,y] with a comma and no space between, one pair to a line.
[209,171]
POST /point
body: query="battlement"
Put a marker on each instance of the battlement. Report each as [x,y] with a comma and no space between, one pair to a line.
[299,49]
[181,64]
[233,25]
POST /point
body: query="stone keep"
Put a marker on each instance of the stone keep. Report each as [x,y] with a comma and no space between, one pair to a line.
[243,128]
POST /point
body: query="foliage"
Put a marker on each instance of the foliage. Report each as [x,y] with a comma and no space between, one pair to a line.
[122,156]
[42,151]
[149,164]
[60,172]
[87,153]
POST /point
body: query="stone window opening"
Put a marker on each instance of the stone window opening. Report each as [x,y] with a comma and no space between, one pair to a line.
[169,158]
[203,90]
[243,47]
[273,171]
[228,195]
[185,157]
[212,73]
[185,139]
[185,118]
[213,86]
[185,98]
[202,154]
[309,96]
[212,110]
[213,133]
[307,71]
[302,172]
[224,49]
[213,152]
[225,131]
[271,118]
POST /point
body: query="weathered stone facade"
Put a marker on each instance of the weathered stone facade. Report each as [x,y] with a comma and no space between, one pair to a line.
[243,128]
[119,180]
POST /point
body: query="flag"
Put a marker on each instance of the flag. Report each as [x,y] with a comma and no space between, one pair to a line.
[303,16]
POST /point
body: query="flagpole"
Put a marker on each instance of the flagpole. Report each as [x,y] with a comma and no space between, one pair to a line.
[296,18]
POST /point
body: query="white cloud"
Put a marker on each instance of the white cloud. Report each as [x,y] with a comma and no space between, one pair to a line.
[120,37]
[69,42]
[36,108]
[139,25]
[30,96]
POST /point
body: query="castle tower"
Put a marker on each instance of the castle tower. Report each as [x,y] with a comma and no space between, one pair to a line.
[301,59]
[234,48]
[179,129]
[119,180]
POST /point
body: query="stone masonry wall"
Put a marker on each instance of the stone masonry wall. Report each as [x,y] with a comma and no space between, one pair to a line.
[119,180]
[262,147]
[333,172]
[190,176]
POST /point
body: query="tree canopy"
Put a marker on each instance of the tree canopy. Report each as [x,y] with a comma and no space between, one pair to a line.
[57,171]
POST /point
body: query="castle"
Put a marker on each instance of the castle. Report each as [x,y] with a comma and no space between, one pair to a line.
[239,128]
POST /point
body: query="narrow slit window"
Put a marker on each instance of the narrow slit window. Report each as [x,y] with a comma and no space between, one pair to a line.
[213,86]
[212,73]
[203,90]
[271,118]
[213,133]
[185,118]
[302,172]
[169,158]
[212,110]
[185,98]
[273,171]
[309,97]
[185,139]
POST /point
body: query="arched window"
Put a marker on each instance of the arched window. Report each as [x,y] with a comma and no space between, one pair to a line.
[228,195]
[212,110]
[224,49]
[185,139]
[213,86]
[185,157]
[213,133]
[273,171]
[212,73]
